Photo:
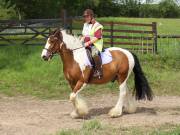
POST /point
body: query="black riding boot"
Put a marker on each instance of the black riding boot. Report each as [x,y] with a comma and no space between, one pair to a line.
[98,72]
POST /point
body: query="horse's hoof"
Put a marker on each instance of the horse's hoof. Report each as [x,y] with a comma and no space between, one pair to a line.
[74,115]
[130,107]
[114,113]
[72,96]
[129,110]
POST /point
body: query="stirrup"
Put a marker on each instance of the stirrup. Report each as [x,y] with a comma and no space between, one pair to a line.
[97,74]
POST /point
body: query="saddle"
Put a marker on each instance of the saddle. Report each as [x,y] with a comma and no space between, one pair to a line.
[96,63]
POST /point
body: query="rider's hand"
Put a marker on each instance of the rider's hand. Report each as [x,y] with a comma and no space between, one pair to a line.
[88,43]
[81,38]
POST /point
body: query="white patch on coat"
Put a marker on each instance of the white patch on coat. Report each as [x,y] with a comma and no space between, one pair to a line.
[79,103]
[73,94]
[73,42]
[45,52]
[129,56]
[117,110]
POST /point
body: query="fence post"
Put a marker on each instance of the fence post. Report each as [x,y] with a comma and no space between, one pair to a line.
[64,18]
[154,29]
[112,25]
[70,25]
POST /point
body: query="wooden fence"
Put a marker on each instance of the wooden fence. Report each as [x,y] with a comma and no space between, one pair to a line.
[133,36]
[27,32]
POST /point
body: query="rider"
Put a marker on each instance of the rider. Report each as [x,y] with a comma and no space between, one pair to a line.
[92,37]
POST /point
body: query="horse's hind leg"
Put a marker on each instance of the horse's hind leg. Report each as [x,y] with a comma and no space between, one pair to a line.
[117,110]
[129,103]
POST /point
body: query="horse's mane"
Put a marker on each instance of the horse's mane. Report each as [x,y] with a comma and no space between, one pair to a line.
[72,42]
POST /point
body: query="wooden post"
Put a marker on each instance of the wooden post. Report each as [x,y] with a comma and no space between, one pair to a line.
[112,25]
[64,18]
[154,29]
[70,25]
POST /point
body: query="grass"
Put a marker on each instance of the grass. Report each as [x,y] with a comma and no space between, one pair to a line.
[94,127]
[164,26]
[24,73]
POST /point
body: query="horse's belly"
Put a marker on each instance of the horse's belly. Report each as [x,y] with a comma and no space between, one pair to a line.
[109,73]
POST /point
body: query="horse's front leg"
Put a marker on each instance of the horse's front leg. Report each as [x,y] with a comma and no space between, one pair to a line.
[80,105]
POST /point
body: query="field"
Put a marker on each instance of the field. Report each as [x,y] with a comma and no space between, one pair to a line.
[24,74]
[164,26]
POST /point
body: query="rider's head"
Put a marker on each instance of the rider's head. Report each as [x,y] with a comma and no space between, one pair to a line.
[88,15]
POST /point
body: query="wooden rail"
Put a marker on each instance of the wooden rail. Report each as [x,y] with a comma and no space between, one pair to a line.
[28,32]
[134,36]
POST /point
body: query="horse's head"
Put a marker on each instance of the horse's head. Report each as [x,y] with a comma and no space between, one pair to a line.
[53,45]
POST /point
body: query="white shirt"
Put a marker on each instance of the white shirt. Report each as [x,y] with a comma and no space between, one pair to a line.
[86,29]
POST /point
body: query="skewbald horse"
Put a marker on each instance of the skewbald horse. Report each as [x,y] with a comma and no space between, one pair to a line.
[79,75]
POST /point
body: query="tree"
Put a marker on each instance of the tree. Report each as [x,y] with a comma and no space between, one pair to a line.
[37,8]
[7,10]
[130,8]
[169,9]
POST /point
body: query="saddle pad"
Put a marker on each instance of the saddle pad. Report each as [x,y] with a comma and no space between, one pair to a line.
[105,56]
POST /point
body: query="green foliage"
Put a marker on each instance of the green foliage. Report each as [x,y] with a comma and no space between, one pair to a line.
[129,8]
[7,11]
[107,8]
[92,125]
[37,9]
[168,8]
[89,128]
[147,10]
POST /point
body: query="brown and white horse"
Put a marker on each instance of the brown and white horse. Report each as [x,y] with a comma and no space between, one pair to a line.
[79,75]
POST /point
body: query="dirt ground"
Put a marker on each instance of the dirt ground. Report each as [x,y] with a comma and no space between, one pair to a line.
[29,116]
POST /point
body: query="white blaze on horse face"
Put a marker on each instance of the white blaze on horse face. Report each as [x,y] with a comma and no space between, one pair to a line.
[45,52]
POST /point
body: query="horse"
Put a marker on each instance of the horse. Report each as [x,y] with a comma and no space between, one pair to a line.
[78,74]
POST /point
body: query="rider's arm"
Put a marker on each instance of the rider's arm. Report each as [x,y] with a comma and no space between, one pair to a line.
[97,36]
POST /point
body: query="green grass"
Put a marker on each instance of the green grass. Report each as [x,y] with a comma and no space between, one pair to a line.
[94,127]
[164,26]
[24,73]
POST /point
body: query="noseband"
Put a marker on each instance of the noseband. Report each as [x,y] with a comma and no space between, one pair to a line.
[51,53]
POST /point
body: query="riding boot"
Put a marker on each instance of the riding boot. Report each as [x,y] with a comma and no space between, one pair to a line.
[98,72]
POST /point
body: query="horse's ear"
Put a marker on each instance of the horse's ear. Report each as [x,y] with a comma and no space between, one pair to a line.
[58,34]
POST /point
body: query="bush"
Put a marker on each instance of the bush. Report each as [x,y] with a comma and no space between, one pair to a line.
[169,9]
[149,11]
[6,11]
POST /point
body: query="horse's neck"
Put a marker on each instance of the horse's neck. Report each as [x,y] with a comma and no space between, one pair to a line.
[67,58]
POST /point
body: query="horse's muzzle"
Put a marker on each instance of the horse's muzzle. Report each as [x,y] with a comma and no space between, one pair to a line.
[45,58]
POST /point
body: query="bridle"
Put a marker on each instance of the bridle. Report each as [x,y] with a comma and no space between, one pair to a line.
[50,52]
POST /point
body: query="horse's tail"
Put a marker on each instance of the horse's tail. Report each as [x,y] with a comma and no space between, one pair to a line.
[142,88]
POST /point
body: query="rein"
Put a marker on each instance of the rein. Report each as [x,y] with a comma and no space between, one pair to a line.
[72,49]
